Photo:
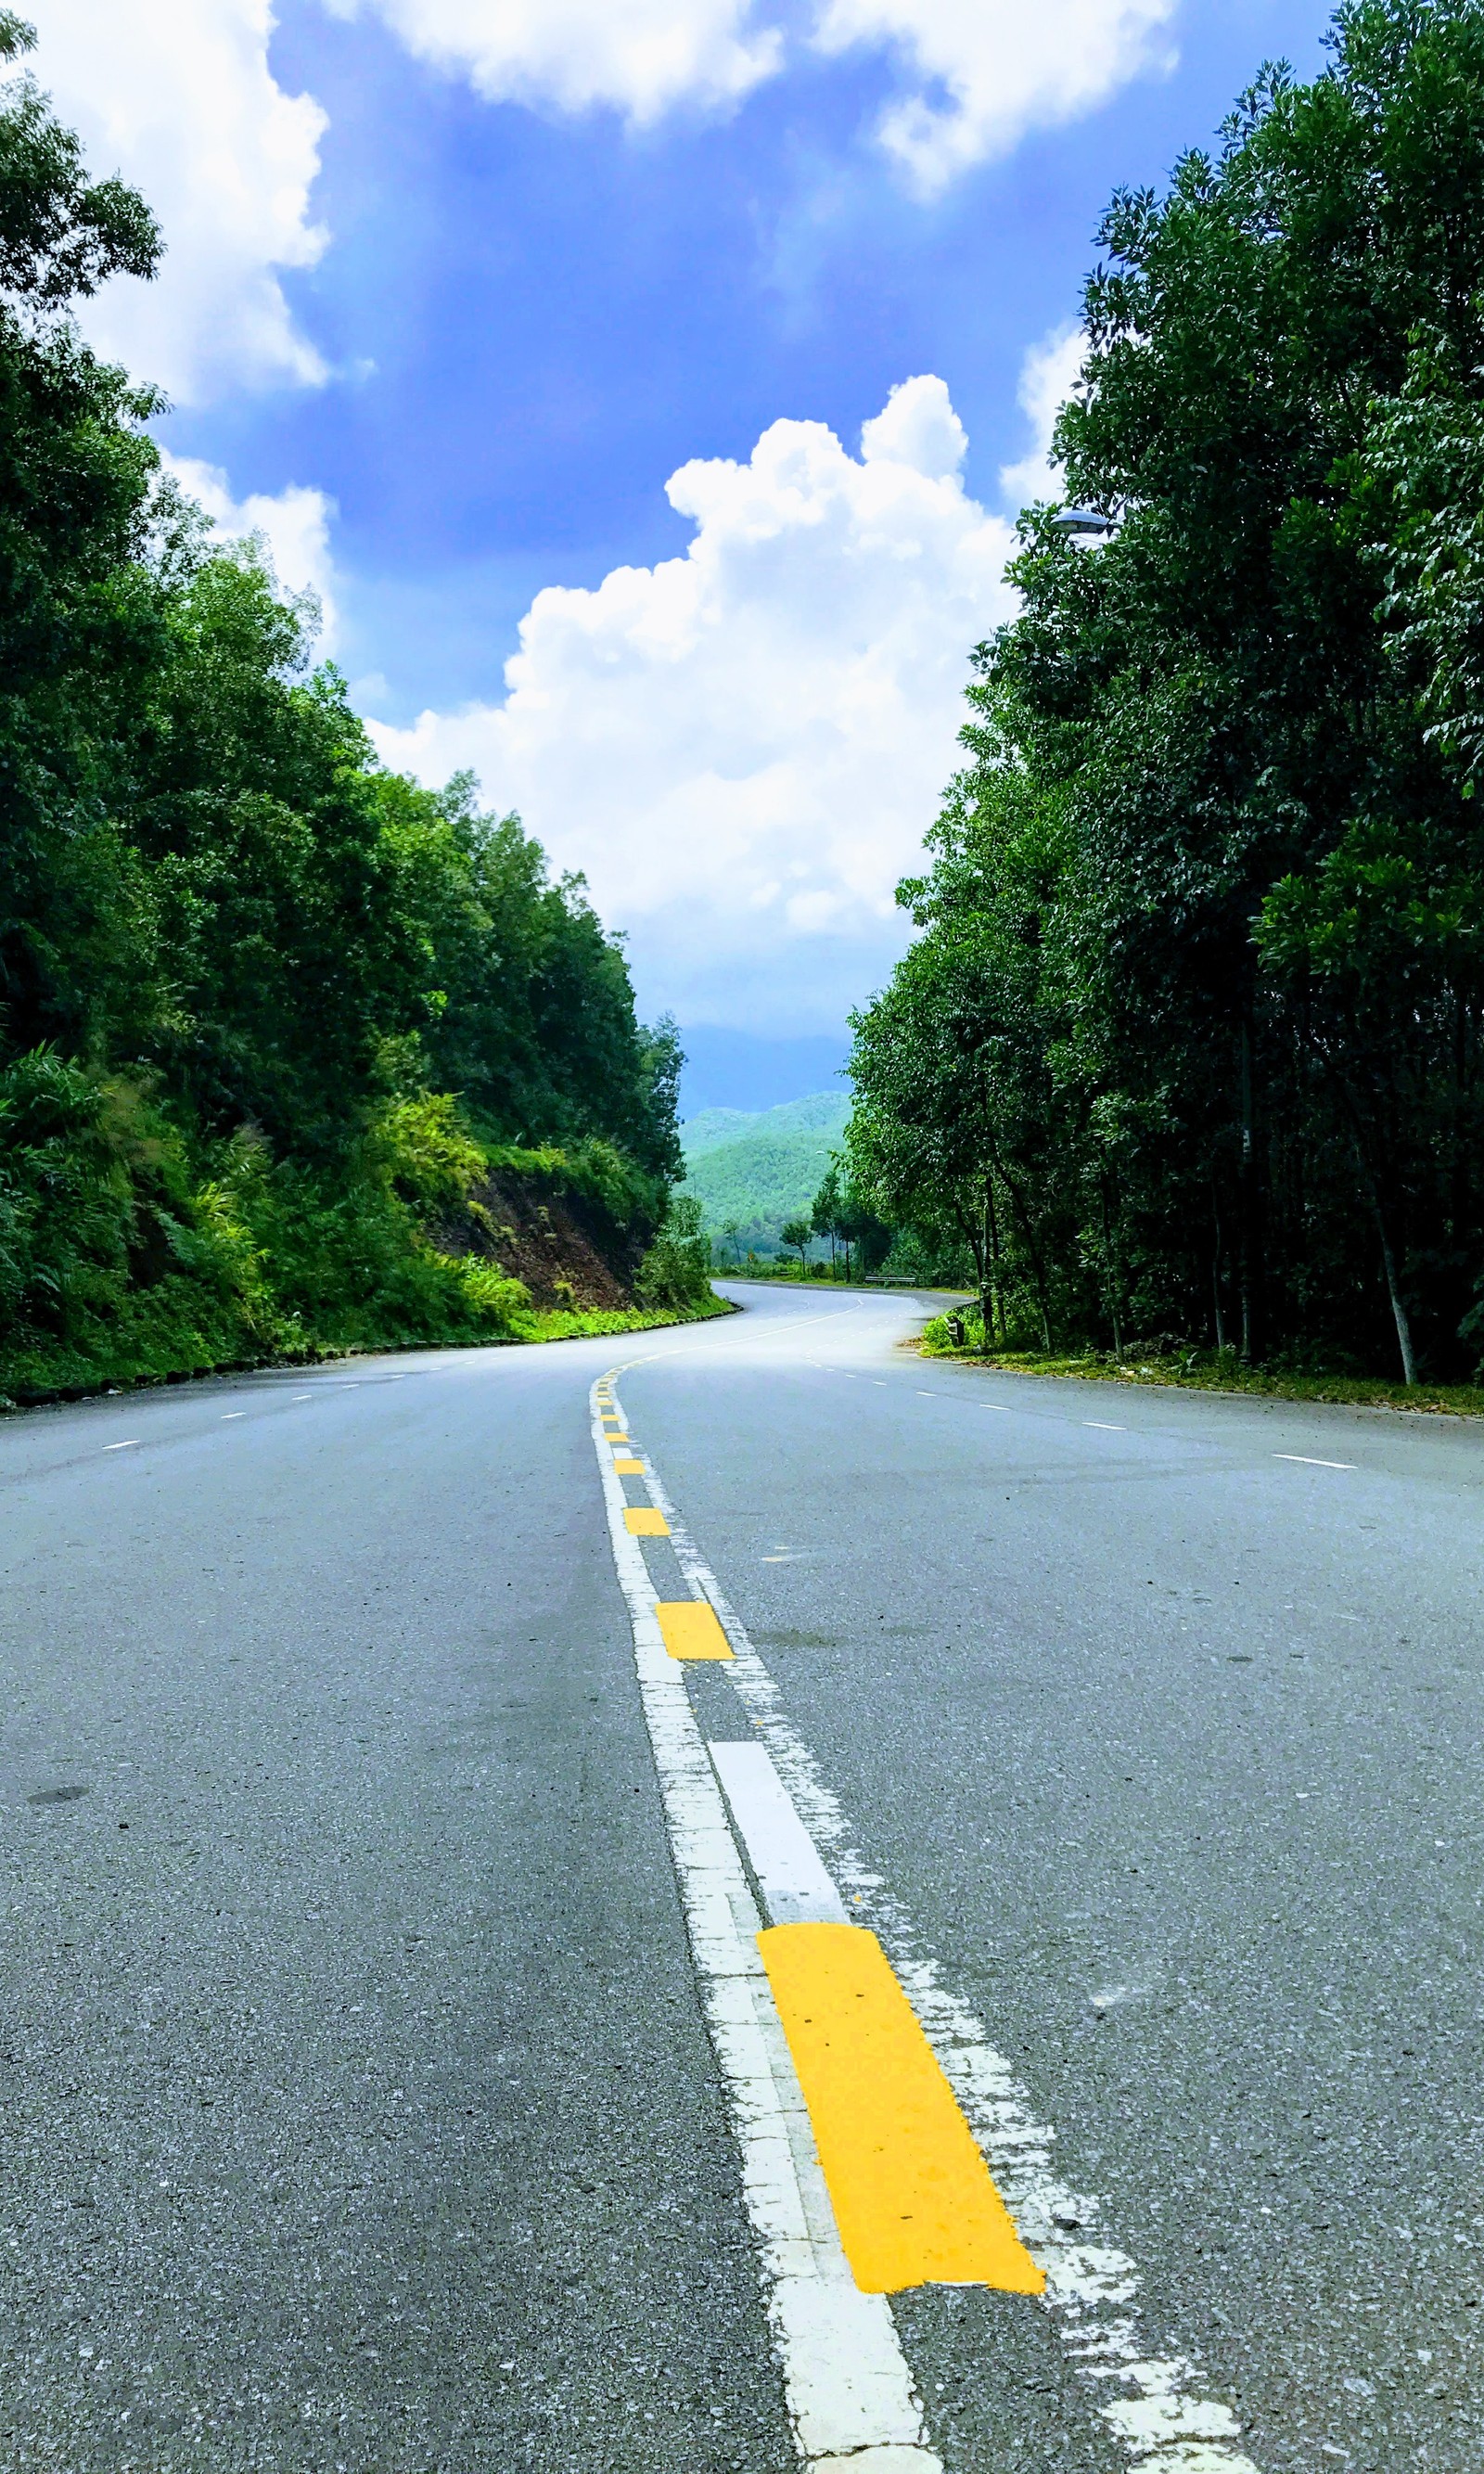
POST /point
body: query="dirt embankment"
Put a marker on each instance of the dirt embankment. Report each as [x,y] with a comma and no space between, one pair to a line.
[563,1252]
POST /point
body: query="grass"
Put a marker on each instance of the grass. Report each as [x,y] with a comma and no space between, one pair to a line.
[1193,1372]
[598,1322]
[33,1383]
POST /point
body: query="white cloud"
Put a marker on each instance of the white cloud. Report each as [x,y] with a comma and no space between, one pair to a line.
[1048,374]
[178,95]
[294,524]
[978,73]
[985,71]
[641,55]
[743,747]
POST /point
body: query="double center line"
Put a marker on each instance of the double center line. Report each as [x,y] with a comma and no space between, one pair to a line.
[859,2096]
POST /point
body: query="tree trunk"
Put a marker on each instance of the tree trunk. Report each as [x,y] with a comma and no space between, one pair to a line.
[1399,1308]
[1246,1180]
[1373,1185]
[1221,1319]
[1037,1269]
[984,1258]
[997,1282]
[973,1236]
[1110,1266]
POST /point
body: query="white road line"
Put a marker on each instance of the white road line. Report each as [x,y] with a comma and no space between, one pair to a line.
[1101,1426]
[796,1889]
[228,1415]
[1163,2423]
[127,1446]
[849,2392]
[1305,1462]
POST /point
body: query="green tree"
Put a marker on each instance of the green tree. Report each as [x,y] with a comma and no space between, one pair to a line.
[796,1233]
[824,1212]
[265,1008]
[1196,998]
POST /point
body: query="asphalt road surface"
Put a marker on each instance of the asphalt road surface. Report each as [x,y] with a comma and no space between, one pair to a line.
[366,2102]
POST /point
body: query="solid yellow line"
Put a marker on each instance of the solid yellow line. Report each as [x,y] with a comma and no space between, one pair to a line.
[689,1629]
[645,1522]
[629,1469]
[913,2196]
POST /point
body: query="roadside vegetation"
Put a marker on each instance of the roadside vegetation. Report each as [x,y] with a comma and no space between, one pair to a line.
[1191,1041]
[1196,1369]
[278,1027]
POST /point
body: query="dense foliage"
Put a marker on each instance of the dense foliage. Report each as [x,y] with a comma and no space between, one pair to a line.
[264,1008]
[753,1169]
[1191,1040]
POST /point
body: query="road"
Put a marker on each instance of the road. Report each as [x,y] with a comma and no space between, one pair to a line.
[377,2096]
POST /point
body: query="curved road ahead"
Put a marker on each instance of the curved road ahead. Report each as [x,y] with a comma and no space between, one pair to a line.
[1101,1767]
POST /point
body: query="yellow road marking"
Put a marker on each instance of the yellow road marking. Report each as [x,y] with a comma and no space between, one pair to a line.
[913,2196]
[620,1442]
[645,1522]
[629,1469]
[689,1629]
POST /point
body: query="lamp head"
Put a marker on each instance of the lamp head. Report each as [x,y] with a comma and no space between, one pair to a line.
[1084,520]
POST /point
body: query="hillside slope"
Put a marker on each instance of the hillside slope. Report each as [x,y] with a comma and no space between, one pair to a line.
[761,1169]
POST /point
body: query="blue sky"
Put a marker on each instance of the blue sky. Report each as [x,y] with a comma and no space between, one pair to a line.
[513,319]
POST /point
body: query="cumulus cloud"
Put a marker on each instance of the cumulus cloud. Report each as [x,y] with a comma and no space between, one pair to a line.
[983,72]
[180,96]
[641,55]
[741,747]
[977,74]
[294,524]
[1050,371]
[182,102]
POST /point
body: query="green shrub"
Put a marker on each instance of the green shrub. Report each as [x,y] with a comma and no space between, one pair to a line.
[676,1270]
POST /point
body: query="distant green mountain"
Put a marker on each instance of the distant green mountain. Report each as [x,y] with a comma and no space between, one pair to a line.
[761,1169]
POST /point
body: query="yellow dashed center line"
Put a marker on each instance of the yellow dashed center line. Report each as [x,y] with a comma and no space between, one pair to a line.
[629,1469]
[641,1520]
[911,2193]
[689,1629]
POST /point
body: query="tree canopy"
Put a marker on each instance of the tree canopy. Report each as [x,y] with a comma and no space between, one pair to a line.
[1191,1035]
[266,1009]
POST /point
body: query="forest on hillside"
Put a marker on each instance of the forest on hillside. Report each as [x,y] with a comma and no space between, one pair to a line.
[754,1170]
[1190,1042]
[271,1019]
